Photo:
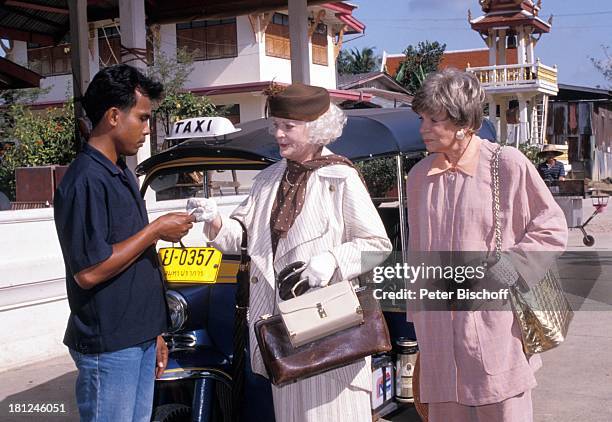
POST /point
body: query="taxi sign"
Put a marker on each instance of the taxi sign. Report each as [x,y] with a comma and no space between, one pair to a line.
[190,265]
[202,127]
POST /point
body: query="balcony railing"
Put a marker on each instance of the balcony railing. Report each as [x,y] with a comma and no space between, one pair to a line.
[516,76]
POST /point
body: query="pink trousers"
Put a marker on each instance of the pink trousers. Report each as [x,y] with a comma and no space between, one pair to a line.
[515,409]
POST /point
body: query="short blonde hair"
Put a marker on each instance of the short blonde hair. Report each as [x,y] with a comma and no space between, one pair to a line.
[455,93]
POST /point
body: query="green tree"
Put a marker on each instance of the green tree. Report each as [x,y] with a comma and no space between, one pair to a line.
[38,139]
[357,61]
[604,65]
[177,104]
[419,61]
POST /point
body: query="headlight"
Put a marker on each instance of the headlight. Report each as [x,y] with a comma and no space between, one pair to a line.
[177,307]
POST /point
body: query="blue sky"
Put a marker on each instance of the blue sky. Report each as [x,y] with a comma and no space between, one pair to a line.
[579,29]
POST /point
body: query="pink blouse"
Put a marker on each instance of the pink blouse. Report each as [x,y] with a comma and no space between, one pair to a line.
[476,358]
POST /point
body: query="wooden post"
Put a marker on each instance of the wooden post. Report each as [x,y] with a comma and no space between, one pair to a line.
[300,43]
[79,54]
[133,52]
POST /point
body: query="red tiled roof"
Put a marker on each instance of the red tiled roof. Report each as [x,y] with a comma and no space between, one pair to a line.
[456,59]
[475,58]
[512,19]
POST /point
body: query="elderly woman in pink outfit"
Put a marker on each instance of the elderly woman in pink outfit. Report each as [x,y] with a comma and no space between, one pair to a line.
[473,367]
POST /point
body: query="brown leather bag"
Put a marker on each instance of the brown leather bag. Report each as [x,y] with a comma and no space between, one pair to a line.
[286,364]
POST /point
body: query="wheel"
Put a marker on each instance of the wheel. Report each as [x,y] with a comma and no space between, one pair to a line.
[171,413]
[588,240]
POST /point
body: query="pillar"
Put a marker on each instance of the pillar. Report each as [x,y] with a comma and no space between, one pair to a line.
[523,120]
[79,53]
[503,120]
[300,42]
[19,54]
[492,43]
[133,37]
[493,112]
[94,51]
[501,42]
[521,45]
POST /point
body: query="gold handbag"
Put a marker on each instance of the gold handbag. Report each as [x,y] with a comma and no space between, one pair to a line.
[543,312]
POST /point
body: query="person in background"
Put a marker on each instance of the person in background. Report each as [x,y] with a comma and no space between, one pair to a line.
[550,169]
[115,290]
[311,206]
[472,364]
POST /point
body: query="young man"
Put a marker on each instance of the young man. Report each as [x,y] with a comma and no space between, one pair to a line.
[115,289]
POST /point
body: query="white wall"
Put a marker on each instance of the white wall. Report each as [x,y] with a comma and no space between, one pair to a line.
[279,70]
[20,53]
[61,88]
[251,104]
[235,70]
[33,305]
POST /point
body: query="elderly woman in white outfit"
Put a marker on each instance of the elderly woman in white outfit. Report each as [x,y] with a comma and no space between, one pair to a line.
[311,206]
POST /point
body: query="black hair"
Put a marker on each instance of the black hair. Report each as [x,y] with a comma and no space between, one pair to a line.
[115,86]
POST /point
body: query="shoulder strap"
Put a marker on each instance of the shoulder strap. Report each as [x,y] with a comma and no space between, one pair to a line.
[496,201]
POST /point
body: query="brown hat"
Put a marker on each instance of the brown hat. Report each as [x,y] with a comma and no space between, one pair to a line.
[549,149]
[299,102]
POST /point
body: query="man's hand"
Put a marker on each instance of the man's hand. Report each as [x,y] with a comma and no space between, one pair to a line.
[173,226]
[161,361]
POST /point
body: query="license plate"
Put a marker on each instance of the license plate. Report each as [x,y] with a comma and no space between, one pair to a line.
[190,265]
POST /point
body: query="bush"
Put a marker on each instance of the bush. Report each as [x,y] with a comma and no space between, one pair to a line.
[38,139]
[379,175]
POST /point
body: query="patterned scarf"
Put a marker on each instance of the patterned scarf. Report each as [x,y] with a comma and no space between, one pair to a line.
[291,193]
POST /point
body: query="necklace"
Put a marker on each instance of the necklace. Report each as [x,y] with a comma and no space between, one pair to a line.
[454,165]
[287,179]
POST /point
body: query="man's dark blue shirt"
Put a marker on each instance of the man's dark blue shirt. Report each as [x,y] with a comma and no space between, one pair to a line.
[96,206]
[551,173]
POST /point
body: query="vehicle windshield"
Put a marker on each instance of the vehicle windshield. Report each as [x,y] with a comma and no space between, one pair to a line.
[181,183]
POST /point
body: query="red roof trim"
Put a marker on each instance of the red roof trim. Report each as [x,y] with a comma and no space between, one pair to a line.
[344,12]
[260,86]
[351,21]
[340,7]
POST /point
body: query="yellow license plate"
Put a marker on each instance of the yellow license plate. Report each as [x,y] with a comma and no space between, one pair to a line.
[190,265]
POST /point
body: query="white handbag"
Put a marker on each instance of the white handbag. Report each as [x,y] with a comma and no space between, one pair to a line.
[321,312]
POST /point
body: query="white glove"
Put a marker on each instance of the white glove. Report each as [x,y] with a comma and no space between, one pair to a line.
[320,269]
[203,209]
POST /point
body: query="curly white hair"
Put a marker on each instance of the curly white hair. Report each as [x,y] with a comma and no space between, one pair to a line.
[325,129]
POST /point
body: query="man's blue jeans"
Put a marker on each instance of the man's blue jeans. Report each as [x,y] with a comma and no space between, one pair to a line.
[116,386]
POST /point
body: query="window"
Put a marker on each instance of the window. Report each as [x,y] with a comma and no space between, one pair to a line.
[277,37]
[319,45]
[230,111]
[209,39]
[50,61]
[109,46]
[278,43]
[178,183]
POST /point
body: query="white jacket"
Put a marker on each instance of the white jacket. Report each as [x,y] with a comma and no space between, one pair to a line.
[338,216]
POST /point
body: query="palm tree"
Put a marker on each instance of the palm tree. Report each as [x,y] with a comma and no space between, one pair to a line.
[358,61]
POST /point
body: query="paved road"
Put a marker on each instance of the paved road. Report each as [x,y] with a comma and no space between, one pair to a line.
[575,383]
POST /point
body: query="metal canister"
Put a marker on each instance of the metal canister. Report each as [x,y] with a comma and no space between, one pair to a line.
[404,369]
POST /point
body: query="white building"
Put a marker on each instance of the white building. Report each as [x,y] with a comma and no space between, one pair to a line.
[235,58]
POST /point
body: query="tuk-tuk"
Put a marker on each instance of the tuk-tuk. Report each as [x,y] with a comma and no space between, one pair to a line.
[220,162]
